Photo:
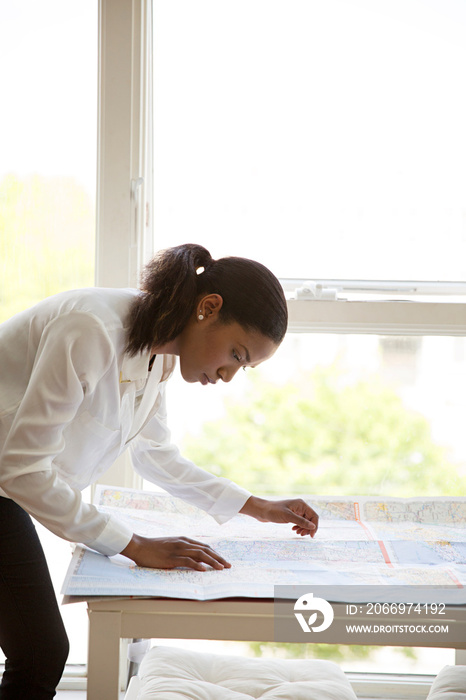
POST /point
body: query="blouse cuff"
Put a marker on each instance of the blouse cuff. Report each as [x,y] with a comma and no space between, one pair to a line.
[229,504]
[115,536]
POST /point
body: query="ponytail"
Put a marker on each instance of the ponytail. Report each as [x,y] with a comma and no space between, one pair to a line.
[173,281]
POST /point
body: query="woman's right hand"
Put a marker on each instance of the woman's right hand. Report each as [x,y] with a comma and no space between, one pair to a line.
[172,552]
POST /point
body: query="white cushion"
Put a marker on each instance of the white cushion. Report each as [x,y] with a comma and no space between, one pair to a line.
[450,684]
[188,675]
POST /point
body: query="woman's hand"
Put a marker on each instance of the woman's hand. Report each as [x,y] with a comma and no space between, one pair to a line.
[293,510]
[171,552]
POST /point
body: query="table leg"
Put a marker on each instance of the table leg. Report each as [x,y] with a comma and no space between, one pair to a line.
[103,667]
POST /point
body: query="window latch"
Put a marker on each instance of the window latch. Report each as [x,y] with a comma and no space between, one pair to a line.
[316,290]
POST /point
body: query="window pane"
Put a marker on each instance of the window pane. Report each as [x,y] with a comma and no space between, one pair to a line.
[333,132]
[48,53]
[48,147]
[335,414]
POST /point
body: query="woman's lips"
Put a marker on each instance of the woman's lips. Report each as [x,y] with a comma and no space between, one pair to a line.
[206,380]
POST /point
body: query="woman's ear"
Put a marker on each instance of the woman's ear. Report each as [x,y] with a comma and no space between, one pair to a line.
[209,307]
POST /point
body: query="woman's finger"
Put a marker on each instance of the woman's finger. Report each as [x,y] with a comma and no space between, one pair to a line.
[189,563]
[197,559]
[204,552]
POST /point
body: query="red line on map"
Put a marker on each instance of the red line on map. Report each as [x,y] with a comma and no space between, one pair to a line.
[357,516]
[385,553]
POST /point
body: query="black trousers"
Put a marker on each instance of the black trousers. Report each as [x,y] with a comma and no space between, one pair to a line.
[32,634]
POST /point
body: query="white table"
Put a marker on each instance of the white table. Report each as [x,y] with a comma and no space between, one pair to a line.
[240,619]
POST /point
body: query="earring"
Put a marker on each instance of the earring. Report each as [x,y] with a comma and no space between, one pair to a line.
[201,316]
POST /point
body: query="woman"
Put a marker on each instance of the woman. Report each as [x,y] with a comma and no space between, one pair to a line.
[83,379]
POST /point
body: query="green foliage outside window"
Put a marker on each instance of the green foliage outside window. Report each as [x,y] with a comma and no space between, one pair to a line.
[47,239]
[322,437]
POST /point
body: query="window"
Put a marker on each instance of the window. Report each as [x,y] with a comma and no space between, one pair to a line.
[332,132]
[326,141]
[47,180]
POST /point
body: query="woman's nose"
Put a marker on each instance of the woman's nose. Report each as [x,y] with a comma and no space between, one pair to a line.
[226,374]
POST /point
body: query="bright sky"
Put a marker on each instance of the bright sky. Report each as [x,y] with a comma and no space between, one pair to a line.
[48,69]
[334,131]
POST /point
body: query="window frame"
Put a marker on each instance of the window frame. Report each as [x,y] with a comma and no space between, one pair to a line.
[124,158]
[377,317]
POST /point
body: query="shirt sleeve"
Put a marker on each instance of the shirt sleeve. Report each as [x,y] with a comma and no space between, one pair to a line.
[61,375]
[60,508]
[73,355]
[160,462]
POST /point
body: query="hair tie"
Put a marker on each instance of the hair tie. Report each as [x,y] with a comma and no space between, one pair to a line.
[205,267]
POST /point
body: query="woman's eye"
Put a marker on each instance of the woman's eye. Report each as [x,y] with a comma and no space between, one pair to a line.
[239,359]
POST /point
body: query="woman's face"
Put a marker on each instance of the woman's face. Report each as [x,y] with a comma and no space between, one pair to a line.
[210,350]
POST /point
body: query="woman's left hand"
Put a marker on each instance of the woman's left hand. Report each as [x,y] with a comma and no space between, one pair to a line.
[292,510]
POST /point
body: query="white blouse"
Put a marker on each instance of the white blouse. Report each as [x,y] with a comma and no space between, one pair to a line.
[72,401]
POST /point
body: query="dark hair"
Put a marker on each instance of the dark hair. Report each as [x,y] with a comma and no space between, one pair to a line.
[173,281]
